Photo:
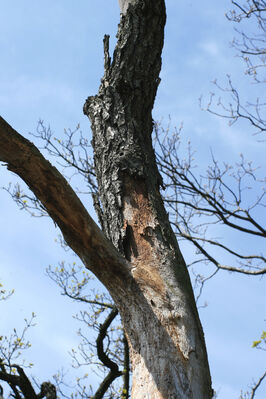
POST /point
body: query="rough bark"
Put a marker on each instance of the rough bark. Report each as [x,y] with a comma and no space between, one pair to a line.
[123,4]
[160,317]
[151,287]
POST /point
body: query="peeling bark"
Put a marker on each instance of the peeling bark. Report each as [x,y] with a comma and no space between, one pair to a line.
[167,346]
[143,269]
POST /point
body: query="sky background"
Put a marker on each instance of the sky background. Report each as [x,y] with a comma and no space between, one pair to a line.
[51,60]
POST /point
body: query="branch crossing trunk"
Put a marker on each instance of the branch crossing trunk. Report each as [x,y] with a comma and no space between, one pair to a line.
[138,258]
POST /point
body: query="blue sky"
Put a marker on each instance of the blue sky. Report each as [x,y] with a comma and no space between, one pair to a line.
[51,60]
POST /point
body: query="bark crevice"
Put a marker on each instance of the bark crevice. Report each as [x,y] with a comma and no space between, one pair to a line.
[159,312]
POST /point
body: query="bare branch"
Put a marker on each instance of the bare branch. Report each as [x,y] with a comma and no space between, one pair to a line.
[257,385]
[250,46]
[233,109]
[252,393]
[104,358]
[79,230]
[126,370]
[74,282]
[196,202]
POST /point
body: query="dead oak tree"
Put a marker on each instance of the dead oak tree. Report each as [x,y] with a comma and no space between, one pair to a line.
[136,256]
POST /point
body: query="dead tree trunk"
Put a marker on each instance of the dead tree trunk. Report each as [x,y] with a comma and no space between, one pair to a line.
[160,317]
[145,273]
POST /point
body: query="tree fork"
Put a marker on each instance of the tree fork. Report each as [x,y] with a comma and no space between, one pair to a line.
[159,314]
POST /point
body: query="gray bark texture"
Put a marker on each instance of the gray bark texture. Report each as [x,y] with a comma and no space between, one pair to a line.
[123,4]
[158,311]
[136,256]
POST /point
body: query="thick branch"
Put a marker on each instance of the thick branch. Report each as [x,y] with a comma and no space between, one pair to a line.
[20,380]
[79,230]
[126,370]
[114,370]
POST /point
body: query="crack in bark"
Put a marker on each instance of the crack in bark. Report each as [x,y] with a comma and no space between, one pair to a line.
[134,218]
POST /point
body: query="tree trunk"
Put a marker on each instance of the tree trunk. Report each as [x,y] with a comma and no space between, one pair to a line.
[158,311]
[144,270]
